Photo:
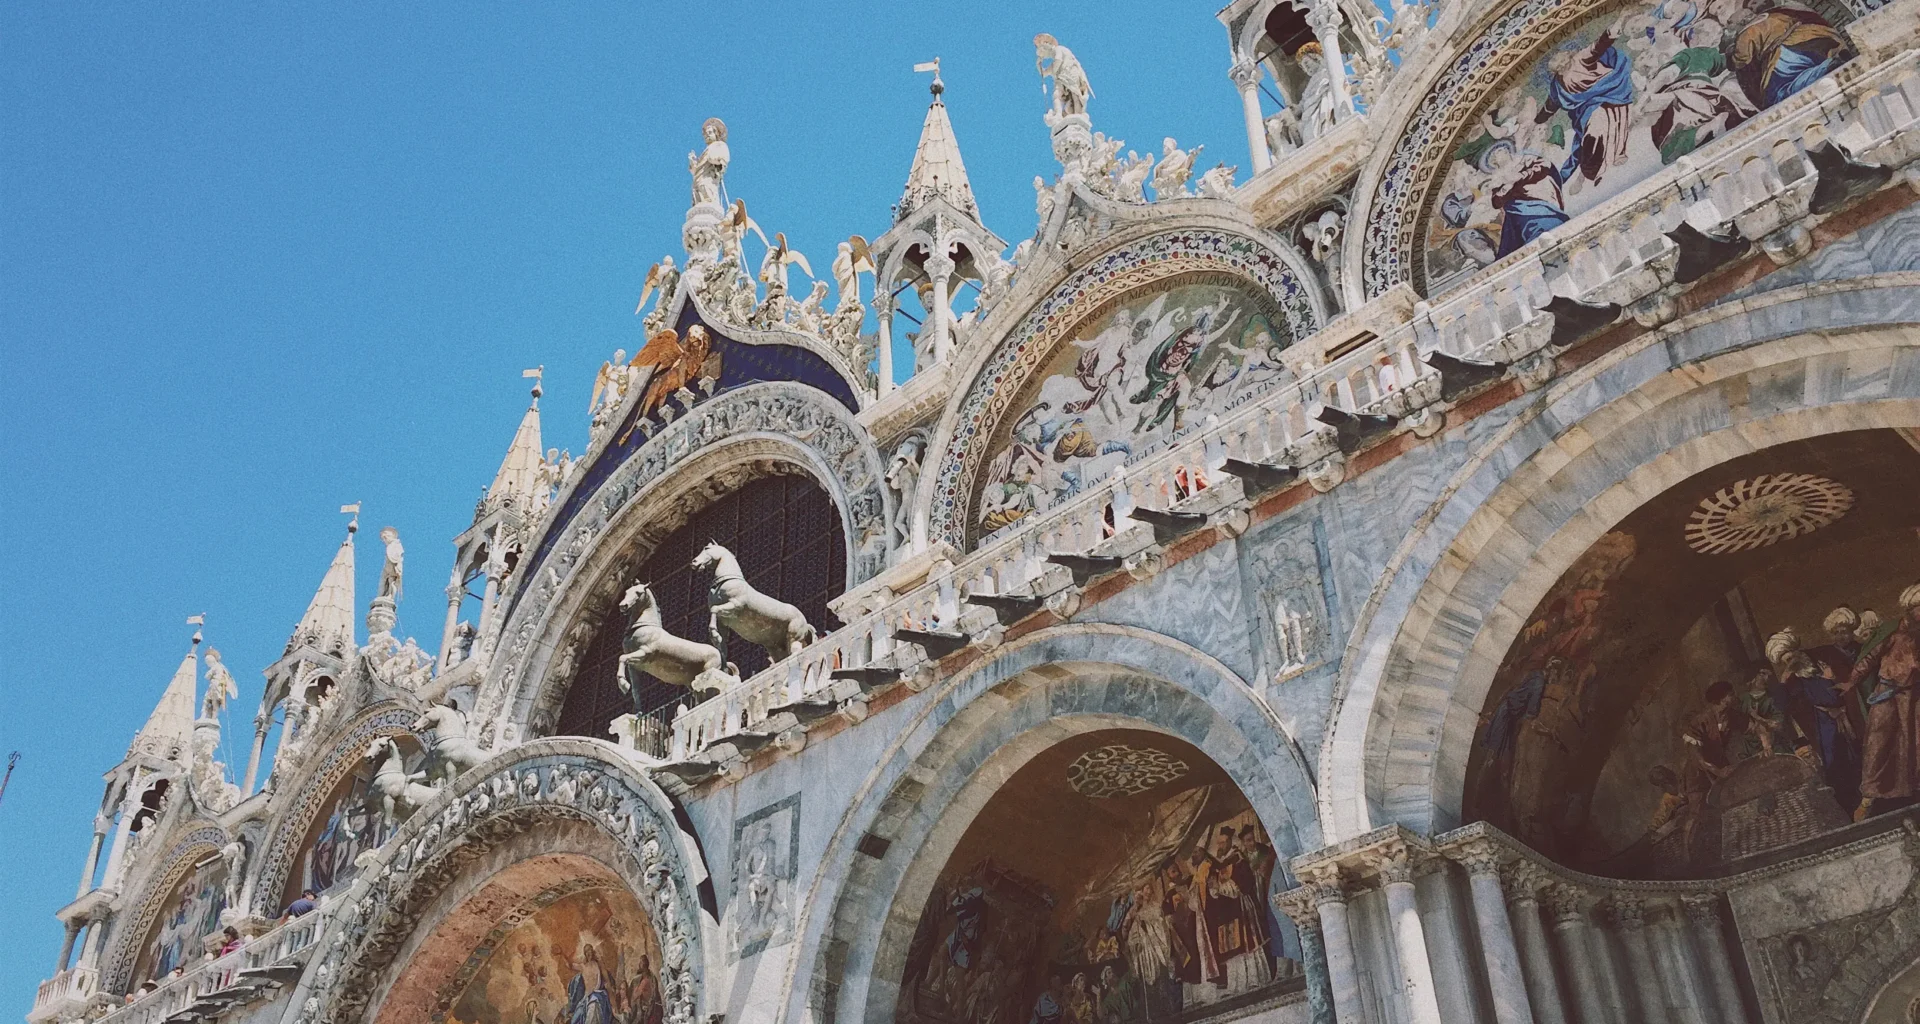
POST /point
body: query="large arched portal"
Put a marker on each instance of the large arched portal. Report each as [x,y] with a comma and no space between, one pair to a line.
[786,533]
[1119,875]
[1721,673]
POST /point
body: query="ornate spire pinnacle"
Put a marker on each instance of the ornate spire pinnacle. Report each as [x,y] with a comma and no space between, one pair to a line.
[519,475]
[937,169]
[168,733]
[328,624]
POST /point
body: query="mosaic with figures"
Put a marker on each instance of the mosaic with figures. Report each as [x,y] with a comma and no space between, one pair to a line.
[589,957]
[1624,94]
[1133,376]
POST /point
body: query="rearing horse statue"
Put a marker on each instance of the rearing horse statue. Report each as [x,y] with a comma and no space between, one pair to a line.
[732,602]
[649,648]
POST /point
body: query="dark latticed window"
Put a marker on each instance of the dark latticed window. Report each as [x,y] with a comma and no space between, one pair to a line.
[786,533]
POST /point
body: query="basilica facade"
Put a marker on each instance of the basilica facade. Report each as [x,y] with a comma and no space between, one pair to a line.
[1463,566]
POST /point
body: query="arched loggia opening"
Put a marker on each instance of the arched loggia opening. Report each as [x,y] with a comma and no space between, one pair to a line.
[786,533]
[1726,671]
[1119,875]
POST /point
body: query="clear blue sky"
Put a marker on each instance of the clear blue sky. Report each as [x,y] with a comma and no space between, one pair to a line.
[260,260]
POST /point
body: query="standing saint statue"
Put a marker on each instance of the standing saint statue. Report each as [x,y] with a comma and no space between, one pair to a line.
[390,572]
[1071,90]
[220,685]
[710,164]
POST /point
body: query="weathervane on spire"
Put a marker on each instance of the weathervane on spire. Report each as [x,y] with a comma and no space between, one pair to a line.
[353,510]
[537,374]
[933,65]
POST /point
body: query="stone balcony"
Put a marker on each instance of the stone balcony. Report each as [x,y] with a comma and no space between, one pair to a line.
[204,991]
[1765,186]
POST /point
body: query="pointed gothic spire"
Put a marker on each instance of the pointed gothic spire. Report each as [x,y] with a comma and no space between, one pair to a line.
[937,169]
[328,624]
[519,474]
[168,733]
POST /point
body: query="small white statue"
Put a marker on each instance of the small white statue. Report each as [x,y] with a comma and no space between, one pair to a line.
[391,570]
[903,478]
[1071,90]
[1176,166]
[665,278]
[853,258]
[609,388]
[1217,183]
[1404,29]
[1283,131]
[234,856]
[1318,107]
[1042,199]
[1131,177]
[709,165]
[808,315]
[733,235]
[220,686]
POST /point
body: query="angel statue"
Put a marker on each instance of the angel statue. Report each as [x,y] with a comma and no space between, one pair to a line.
[710,164]
[390,571]
[853,259]
[663,276]
[733,234]
[773,274]
[1071,90]
[609,388]
[807,316]
[1402,31]
[220,686]
[1176,166]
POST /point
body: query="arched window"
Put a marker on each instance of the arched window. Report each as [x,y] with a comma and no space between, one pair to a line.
[786,533]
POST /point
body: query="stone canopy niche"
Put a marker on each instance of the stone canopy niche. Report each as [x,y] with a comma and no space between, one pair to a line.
[1724,673]
[1117,876]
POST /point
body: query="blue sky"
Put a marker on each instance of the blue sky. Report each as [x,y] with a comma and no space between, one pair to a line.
[260,260]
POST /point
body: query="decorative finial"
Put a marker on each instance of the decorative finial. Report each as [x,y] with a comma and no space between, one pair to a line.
[354,523]
[197,620]
[933,65]
[535,373]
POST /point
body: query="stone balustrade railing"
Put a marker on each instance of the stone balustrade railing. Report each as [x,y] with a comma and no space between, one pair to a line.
[1765,183]
[223,980]
[75,983]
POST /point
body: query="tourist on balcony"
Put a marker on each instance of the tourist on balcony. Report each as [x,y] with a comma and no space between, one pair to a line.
[302,906]
[229,941]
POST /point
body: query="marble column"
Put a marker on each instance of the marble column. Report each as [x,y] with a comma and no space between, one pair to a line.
[883,314]
[1710,938]
[1510,1003]
[1246,78]
[1324,18]
[1646,992]
[117,854]
[1297,904]
[66,946]
[940,317]
[1336,934]
[1396,867]
[1689,999]
[262,723]
[456,593]
[1577,953]
[1543,988]
[101,826]
[96,944]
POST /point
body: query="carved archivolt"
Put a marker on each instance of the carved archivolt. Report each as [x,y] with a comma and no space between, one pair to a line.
[790,423]
[1277,271]
[534,786]
[306,798]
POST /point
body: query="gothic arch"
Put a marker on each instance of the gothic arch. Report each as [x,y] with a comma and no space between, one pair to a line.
[1732,379]
[306,796]
[581,808]
[988,721]
[200,838]
[755,431]
[1000,370]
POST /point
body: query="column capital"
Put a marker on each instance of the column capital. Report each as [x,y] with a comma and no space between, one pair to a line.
[1324,18]
[1524,880]
[1479,855]
[1627,909]
[938,266]
[1394,862]
[1565,902]
[1245,74]
[456,591]
[1301,907]
[1702,908]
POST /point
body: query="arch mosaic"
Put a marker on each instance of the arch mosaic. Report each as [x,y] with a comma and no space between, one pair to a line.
[539,790]
[1720,384]
[739,435]
[308,798]
[989,721]
[1272,273]
[1495,69]
[183,856]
